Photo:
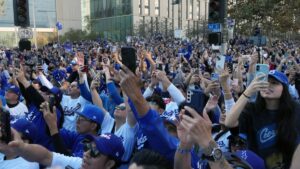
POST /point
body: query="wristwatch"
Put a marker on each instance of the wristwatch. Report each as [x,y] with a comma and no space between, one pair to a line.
[212,152]
[216,155]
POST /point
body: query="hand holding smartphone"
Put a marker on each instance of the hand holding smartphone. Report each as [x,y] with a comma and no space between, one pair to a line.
[84,68]
[262,69]
[195,100]
[220,62]
[129,58]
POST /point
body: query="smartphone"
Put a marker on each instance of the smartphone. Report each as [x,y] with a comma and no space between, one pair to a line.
[5,132]
[220,62]
[196,100]
[290,64]
[85,68]
[215,77]
[17,63]
[235,82]
[51,102]
[159,67]
[128,55]
[40,61]
[262,69]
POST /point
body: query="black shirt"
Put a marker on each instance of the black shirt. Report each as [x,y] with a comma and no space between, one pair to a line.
[260,128]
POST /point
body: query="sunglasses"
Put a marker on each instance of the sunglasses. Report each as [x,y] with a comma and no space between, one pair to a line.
[94,152]
[238,143]
[120,107]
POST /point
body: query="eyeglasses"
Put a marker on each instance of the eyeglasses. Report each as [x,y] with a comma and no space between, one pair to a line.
[120,108]
[94,152]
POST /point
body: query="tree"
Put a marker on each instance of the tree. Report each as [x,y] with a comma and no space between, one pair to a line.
[272,16]
[147,27]
[200,30]
[77,35]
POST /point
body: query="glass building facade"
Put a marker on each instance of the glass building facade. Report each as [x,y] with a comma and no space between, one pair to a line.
[112,18]
[45,17]
[45,13]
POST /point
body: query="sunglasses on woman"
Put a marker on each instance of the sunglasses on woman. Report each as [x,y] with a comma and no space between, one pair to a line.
[94,152]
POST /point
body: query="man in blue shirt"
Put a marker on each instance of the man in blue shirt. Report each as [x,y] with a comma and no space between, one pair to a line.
[88,122]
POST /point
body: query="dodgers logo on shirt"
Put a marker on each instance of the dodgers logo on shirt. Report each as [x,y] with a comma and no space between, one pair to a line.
[30,116]
[267,136]
[141,141]
[221,144]
[72,110]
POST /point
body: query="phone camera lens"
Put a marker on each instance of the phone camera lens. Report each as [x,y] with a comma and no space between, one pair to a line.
[257,68]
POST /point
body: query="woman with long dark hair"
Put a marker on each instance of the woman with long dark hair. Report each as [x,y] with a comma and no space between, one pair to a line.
[270,123]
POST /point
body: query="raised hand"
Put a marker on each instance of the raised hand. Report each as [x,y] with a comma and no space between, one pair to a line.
[50,117]
[256,85]
[129,83]
[95,83]
[199,128]
[211,104]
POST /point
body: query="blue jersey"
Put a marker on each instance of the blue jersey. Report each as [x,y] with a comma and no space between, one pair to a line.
[153,135]
[36,117]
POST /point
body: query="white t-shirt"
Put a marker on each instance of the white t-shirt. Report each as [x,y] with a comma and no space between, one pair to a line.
[125,132]
[71,107]
[17,163]
[171,110]
[17,112]
[223,142]
[62,161]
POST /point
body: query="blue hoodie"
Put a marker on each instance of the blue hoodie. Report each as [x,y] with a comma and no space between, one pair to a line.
[153,135]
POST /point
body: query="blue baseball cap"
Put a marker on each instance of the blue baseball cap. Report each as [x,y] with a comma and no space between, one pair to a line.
[14,89]
[109,144]
[281,77]
[244,159]
[251,158]
[28,129]
[93,113]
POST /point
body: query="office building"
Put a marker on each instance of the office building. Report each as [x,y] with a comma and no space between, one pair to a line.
[117,19]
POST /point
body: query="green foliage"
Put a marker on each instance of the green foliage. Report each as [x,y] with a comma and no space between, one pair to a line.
[271,16]
[77,35]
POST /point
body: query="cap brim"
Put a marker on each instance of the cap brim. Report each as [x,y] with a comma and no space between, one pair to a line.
[236,160]
[99,146]
[10,90]
[277,78]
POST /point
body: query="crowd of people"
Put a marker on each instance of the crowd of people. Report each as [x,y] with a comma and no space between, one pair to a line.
[185,105]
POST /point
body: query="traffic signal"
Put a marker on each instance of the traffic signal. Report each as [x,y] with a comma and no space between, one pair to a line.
[214,38]
[216,11]
[24,44]
[21,13]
